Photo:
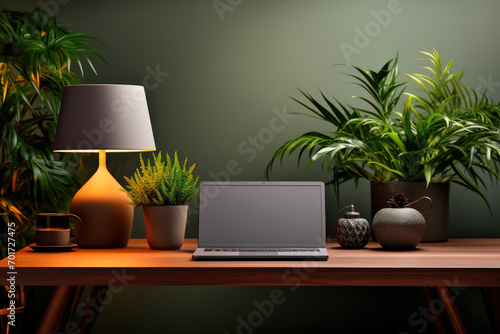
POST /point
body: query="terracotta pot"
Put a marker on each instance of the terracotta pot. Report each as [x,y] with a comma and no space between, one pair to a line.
[165,226]
[436,219]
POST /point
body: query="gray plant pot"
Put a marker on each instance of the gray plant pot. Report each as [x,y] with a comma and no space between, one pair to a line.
[436,219]
[165,226]
[398,228]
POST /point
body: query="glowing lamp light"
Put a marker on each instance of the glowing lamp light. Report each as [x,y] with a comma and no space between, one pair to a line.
[103,118]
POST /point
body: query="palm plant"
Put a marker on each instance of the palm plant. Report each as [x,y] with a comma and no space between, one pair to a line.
[449,134]
[36,55]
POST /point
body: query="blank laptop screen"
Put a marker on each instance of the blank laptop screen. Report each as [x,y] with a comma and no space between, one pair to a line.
[262,214]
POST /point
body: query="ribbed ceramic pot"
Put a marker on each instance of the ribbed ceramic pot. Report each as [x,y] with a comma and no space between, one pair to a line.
[165,225]
[398,228]
[352,231]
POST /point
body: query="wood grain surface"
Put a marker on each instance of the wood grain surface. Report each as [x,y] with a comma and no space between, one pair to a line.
[458,262]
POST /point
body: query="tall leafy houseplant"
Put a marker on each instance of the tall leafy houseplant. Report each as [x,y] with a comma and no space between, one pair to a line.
[448,133]
[37,57]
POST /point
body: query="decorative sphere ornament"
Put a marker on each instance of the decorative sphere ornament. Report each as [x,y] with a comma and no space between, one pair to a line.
[399,227]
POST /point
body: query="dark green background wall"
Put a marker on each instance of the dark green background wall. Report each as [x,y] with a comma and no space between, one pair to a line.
[230,73]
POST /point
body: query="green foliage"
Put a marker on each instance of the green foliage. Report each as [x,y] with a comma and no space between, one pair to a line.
[35,59]
[448,134]
[164,183]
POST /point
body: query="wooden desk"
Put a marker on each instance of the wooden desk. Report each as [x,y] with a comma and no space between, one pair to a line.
[458,262]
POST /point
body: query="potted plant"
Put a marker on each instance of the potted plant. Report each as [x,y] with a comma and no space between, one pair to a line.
[163,190]
[447,134]
[36,54]
[35,58]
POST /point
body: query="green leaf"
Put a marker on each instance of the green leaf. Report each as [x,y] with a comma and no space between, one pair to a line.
[163,183]
[444,131]
[34,70]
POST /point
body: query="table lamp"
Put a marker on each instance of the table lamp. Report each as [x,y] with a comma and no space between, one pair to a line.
[103,118]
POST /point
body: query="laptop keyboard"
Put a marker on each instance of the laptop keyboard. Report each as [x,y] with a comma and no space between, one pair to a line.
[226,250]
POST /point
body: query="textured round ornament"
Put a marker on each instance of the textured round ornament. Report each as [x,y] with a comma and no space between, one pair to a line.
[352,231]
[399,227]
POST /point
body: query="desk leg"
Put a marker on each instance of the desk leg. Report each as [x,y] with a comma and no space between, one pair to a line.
[76,301]
[69,309]
[491,298]
[53,316]
[92,309]
[451,310]
[429,297]
[442,294]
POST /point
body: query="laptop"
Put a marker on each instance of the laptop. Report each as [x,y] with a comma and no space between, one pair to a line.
[261,220]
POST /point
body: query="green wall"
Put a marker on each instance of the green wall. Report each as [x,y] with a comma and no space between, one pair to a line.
[223,80]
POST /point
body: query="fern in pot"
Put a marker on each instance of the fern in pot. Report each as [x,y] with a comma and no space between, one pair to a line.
[447,133]
[164,190]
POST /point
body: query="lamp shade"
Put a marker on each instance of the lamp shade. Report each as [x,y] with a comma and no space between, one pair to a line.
[104,117]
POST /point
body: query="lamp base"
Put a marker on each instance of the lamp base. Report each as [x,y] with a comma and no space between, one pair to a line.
[104,209]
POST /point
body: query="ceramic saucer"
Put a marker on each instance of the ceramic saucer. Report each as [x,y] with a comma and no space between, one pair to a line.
[61,248]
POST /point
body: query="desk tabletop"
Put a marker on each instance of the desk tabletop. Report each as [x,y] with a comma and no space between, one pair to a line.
[458,262]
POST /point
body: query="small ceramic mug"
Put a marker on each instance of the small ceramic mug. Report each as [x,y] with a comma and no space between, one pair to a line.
[53,229]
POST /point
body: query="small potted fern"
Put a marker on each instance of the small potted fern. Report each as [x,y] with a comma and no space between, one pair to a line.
[164,191]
